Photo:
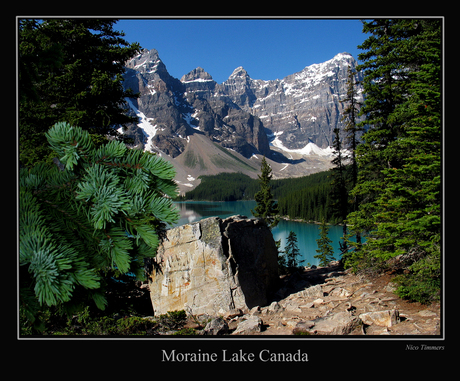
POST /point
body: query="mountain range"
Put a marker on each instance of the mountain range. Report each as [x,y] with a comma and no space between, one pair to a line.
[203,127]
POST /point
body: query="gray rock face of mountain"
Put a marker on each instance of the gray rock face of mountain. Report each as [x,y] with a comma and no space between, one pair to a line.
[302,107]
[219,118]
[160,103]
[238,113]
[177,109]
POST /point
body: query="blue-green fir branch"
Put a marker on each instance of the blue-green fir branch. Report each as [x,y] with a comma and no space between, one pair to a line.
[101,212]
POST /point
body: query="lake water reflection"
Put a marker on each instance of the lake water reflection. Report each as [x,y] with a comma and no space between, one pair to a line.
[307,234]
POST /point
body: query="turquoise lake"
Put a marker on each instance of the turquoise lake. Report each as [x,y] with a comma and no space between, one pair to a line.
[307,234]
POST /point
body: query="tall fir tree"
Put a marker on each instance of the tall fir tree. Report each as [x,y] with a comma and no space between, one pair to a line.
[292,252]
[325,250]
[385,84]
[399,179]
[339,185]
[70,70]
[352,129]
[267,208]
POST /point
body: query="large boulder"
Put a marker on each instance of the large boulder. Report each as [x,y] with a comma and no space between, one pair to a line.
[341,323]
[214,266]
[217,326]
[248,326]
[387,318]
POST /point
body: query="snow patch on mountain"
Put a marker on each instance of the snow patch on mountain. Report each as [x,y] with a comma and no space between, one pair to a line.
[310,149]
[145,124]
[198,80]
[191,119]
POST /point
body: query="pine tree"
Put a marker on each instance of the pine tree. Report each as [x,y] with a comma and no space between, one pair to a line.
[282,264]
[409,223]
[386,82]
[292,252]
[70,70]
[98,211]
[339,185]
[352,132]
[267,208]
[399,161]
[325,250]
[385,86]
[350,117]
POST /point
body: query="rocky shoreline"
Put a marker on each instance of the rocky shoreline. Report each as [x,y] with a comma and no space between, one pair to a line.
[327,301]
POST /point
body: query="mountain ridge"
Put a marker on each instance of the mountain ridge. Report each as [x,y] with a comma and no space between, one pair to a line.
[289,120]
[305,104]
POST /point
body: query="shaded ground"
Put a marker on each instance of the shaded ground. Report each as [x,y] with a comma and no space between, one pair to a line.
[346,295]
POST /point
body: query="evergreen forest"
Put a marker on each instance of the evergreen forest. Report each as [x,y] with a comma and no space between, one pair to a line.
[224,187]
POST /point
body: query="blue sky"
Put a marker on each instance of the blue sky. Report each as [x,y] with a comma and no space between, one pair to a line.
[266,48]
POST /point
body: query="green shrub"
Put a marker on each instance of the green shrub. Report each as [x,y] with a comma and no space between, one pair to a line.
[173,319]
[423,283]
[186,332]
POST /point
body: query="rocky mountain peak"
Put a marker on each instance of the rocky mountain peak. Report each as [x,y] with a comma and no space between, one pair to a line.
[198,80]
[239,72]
[196,75]
[147,62]
[343,56]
